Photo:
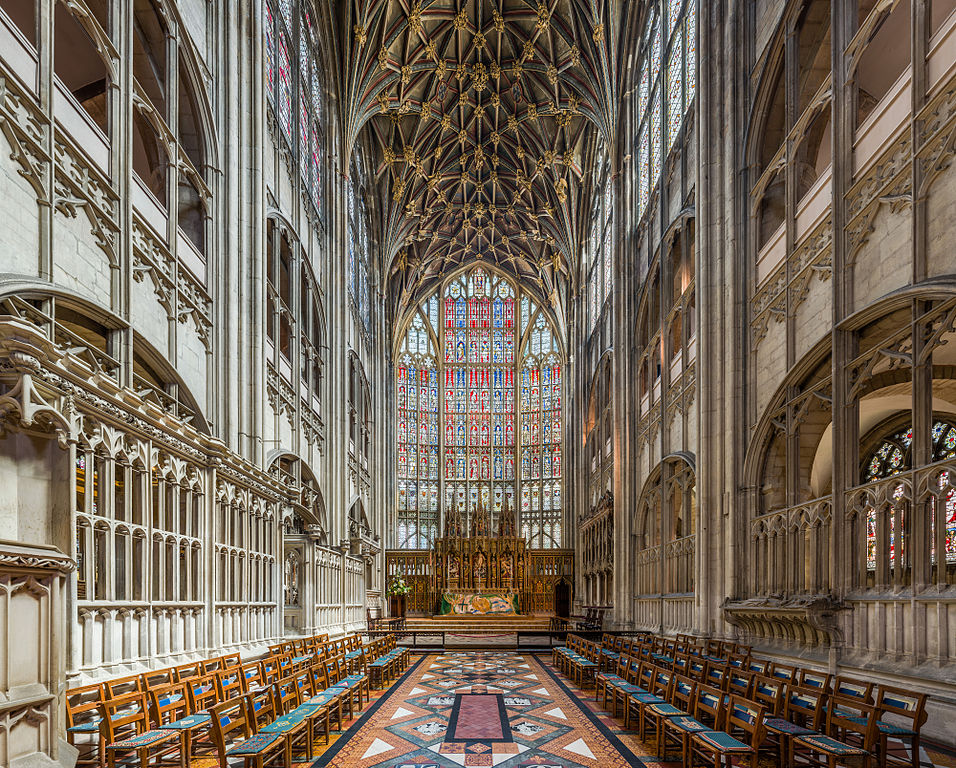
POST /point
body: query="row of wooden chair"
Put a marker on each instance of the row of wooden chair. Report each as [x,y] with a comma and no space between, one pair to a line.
[100,715]
[578,660]
[715,710]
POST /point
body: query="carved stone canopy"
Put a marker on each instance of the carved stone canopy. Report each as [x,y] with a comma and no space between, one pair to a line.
[810,620]
[27,558]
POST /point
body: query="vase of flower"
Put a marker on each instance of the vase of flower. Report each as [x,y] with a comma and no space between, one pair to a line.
[397,597]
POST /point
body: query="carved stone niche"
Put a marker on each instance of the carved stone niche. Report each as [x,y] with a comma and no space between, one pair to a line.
[806,620]
[32,655]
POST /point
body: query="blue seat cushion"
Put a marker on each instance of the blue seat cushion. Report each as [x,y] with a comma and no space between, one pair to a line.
[253,746]
[666,710]
[687,724]
[91,726]
[286,723]
[820,743]
[779,725]
[720,741]
[189,722]
[645,698]
[890,729]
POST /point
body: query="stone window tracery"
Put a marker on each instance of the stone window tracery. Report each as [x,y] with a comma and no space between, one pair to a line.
[888,527]
[294,317]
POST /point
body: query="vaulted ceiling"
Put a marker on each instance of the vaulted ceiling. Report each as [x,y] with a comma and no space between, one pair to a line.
[480,114]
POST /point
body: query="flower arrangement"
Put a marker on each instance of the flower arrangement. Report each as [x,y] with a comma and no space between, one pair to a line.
[397,586]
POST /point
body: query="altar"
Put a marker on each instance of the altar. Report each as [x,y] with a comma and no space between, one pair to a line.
[478,571]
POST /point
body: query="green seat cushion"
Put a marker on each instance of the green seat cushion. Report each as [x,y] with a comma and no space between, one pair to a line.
[258,743]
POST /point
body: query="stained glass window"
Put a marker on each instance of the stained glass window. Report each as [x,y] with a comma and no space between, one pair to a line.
[467,338]
[294,90]
[893,456]
[416,384]
[540,393]
[600,245]
[285,87]
[358,252]
[675,95]
[665,89]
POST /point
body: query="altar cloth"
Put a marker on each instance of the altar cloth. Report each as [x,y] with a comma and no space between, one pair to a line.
[479,603]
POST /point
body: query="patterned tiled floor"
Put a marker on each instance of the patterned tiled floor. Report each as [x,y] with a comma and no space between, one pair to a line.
[552,722]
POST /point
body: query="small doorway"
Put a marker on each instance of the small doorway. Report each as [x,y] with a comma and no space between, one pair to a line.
[562,599]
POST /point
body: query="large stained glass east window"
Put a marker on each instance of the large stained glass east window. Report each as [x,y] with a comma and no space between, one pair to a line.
[469,355]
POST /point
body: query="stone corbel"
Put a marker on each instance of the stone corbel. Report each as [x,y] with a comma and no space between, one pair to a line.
[31,405]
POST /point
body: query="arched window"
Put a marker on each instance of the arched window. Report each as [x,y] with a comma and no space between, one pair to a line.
[600,247]
[893,456]
[599,445]
[540,411]
[360,420]
[150,53]
[417,403]
[666,88]
[461,366]
[358,247]
[295,93]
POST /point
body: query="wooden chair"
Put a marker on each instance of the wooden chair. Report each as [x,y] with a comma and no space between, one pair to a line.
[234,734]
[903,705]
[324,692]
[170,710]
[120,686]
[662,687]
[847,741]
[229,683]
[852,688]
[211,666]
[158,678]
[739,682]
[769,691]
[125,729]
[784,672]
[715,675]
[708,712]
[680,703]
[186,671]
[251,677]
[316,704]
[83,724]
[202,693]
[803,713]
[635,702]
[289,723]
[742,718]
[822,681]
